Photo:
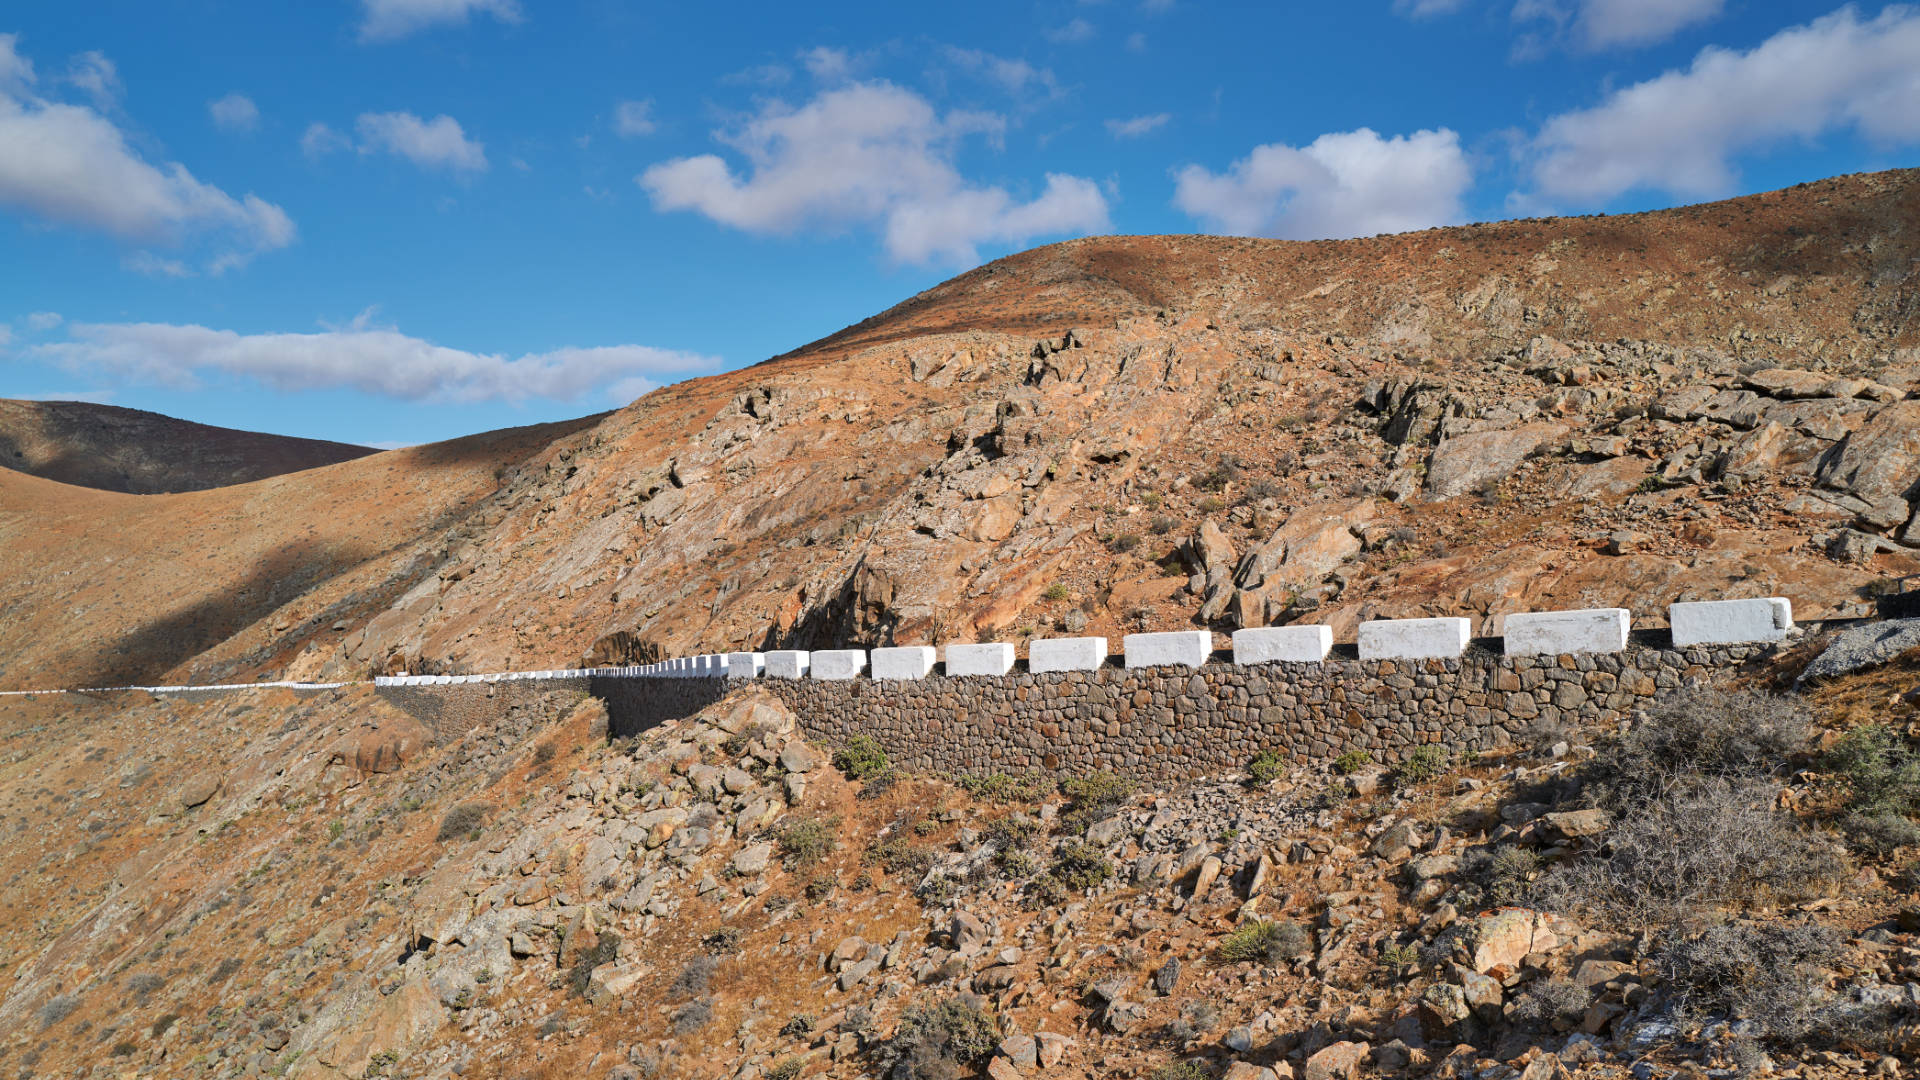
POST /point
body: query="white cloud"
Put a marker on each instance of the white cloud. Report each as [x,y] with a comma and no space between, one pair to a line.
[876,155]
[43,320]
[631,118]
[1011,75]
[1352,183]
[320,140]
[6,335]
[372,360]
[1678,132]
[235,112]
[385,20]
[1136,42]
[92,72]
[1075,30]
[435,143]
[69,163]
[151,265]
[828,65]
[1426,9]
[1138,126]
[1603,24]
[16,71]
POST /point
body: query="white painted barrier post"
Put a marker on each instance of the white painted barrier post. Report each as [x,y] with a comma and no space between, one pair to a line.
[1414,639]
[1183,648]
[745,665]
[787,664]
[839,664]
[1282,644]
[992,658]
[903,661]
[1066,654]
[1553,633]
[1730,622]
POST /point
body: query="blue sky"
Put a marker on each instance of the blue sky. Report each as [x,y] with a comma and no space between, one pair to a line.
[391,221]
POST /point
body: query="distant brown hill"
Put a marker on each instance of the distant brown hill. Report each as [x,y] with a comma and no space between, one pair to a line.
[144,453]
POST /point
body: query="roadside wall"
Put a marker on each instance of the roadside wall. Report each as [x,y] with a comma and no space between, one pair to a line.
[1170,722]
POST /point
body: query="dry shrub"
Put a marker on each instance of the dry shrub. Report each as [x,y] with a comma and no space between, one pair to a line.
[1696,735]
[1768,973]
[464,821]
[1686,854]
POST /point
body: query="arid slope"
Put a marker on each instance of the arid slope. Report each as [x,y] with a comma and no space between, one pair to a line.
[1112,434]
[142,453]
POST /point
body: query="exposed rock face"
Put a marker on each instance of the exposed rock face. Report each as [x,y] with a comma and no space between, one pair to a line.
[1465,463]
[1881,460]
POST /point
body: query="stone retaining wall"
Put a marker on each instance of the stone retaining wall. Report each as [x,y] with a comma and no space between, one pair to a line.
[1170,722]
[453,709]
[634,705]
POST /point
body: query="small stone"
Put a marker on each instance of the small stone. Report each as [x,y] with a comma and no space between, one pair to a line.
[753,859]
[1341,1061]
[1022,1050]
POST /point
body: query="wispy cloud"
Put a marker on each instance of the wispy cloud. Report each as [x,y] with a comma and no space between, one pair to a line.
[361,357]
[235,112]
[1137,126]
[388,20]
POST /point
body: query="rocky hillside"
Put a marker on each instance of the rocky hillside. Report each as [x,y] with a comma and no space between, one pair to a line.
[327,888]
[1142,432]
[143,453]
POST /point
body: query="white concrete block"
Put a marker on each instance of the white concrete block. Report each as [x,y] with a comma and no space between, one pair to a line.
[994,658]
[1414,639]
[1730,622]
[1551,633]
[1282,644]
[903,662]
[1066,654]
[839,664]
[787,664]
[745,665]
[1187,648]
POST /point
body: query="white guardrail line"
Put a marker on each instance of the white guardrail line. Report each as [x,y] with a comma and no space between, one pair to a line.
[1597,630]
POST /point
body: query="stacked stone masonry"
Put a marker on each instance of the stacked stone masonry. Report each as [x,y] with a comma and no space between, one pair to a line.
[1167,723]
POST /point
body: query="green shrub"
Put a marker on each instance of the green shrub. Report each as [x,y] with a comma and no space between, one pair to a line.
[1007,787]
[1263,942]
[787,1068]
[1212,504]
[1095,798]
[1881,771]
[1055,591]
[1080,865]
[1124,542]
[805,841]
[1011,831]
[1178,1070]
[1498,877]
[1266,766]
[799,1025]
[1352,762]
[940,1040]
[606,948]
[900,857]
[862,758]
[1429,762]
